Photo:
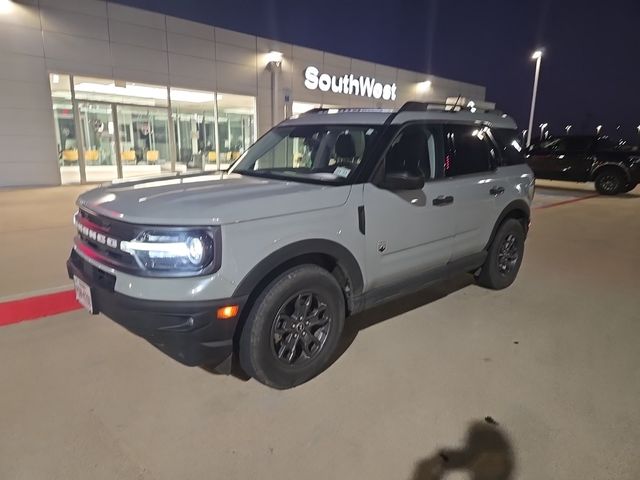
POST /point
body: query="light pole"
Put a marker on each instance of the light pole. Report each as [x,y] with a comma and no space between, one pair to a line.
[542,127]
[567,128]
[537,56]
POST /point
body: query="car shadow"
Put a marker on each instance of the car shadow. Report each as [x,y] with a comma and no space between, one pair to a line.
[373,316]
[487,454]
[389,310]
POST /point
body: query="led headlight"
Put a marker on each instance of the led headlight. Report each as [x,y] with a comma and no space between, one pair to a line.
[172,251]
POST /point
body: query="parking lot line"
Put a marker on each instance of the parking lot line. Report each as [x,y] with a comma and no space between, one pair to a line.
[32,308]
[564,202]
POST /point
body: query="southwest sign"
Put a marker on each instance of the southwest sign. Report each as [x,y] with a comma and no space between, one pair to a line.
[348,84]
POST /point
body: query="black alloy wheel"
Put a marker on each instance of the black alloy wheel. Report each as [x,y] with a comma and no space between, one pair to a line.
[293,328]
[508,254]
[610,182]
[300,328]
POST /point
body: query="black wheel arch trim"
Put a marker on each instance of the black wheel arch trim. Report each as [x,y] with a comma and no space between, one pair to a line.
[343,257]
[515,206]
[597,168]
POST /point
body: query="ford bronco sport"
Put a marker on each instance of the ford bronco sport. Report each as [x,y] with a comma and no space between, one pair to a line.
[329,213]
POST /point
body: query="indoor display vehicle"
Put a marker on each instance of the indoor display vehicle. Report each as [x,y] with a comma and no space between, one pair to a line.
[586,158]
[328,214]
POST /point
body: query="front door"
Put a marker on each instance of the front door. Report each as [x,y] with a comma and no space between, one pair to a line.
[408,232]
[98,141]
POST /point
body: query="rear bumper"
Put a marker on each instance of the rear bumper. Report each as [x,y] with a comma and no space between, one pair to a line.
[188,332]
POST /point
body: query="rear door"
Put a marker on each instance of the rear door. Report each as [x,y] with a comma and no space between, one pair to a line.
[470,170]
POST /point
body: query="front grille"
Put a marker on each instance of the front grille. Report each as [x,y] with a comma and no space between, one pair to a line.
[100,238]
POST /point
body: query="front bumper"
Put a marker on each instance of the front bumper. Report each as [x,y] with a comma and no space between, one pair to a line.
[188,331]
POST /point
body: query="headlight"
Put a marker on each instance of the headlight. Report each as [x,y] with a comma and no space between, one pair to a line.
[189,251]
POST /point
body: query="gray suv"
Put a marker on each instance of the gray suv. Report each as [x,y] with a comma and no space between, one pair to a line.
[328,214]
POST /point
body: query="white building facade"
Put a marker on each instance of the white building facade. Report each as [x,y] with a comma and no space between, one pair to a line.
[93,91]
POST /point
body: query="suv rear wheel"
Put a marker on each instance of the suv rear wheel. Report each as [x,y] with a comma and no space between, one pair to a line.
[610,181]
[293,328]
[504,256]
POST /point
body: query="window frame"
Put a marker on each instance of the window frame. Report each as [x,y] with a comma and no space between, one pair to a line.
[494,162]
[436,129]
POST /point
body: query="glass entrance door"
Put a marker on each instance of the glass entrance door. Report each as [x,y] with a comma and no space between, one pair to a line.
[144,140]
[98,140]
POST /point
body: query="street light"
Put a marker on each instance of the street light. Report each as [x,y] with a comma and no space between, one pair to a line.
[537,56]
[598,128]
[542,127]
[567,128]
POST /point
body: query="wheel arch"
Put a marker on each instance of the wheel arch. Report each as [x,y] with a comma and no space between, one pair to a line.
[601,166]
[518,209]
[330,255]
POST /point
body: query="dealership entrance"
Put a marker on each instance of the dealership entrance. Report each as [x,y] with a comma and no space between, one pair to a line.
[129,130]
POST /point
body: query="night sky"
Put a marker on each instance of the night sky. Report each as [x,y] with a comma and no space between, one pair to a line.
[590,72]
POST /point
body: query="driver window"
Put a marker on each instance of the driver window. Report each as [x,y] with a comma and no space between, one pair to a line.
[413,151]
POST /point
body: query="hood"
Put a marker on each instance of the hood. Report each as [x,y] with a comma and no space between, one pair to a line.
[209,199]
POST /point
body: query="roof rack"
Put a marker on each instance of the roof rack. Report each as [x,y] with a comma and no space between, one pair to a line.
[413,106]
[346,110]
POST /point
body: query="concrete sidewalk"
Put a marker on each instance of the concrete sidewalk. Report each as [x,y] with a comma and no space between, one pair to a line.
[36,234]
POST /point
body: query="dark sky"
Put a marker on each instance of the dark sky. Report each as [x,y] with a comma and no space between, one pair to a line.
[590,73]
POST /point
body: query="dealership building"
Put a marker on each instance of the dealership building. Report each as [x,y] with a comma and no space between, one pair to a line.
[94,91]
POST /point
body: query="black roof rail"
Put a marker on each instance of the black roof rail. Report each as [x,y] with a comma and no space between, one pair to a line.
[413,106]
[315,110]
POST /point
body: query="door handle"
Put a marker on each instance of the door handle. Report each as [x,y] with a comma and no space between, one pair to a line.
[495,191]
[442,200]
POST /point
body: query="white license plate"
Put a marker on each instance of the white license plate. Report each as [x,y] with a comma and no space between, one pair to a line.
[83,294]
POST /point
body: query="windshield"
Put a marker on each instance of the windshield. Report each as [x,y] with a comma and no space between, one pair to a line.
[315,153]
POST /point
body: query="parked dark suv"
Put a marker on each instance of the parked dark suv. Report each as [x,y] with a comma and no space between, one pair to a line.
[586,158]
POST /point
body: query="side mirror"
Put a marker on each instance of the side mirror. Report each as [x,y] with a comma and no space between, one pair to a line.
[402,181]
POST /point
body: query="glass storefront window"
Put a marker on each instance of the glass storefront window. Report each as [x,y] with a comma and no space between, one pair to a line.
[236,126]
[144,140]
[115,91]
[194,129]
[122,128]
[65,128]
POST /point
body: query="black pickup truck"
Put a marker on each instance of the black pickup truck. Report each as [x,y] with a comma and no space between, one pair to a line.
[586,158]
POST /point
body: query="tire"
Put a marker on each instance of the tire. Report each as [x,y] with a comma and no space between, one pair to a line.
[610,181]
[628,187]
[501,267]
[282,347]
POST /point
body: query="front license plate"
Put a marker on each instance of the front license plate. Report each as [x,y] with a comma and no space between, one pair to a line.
[83,294]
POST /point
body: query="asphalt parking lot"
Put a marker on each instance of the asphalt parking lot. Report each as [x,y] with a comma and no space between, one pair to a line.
[537,381]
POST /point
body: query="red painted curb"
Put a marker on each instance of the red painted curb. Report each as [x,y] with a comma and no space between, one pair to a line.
[564,202]
[17,311]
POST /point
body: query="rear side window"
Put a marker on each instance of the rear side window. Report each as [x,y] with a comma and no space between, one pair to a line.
[469,150]
[509,145]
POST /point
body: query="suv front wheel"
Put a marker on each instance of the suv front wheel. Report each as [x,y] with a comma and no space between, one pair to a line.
[504,256]
[293,328]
